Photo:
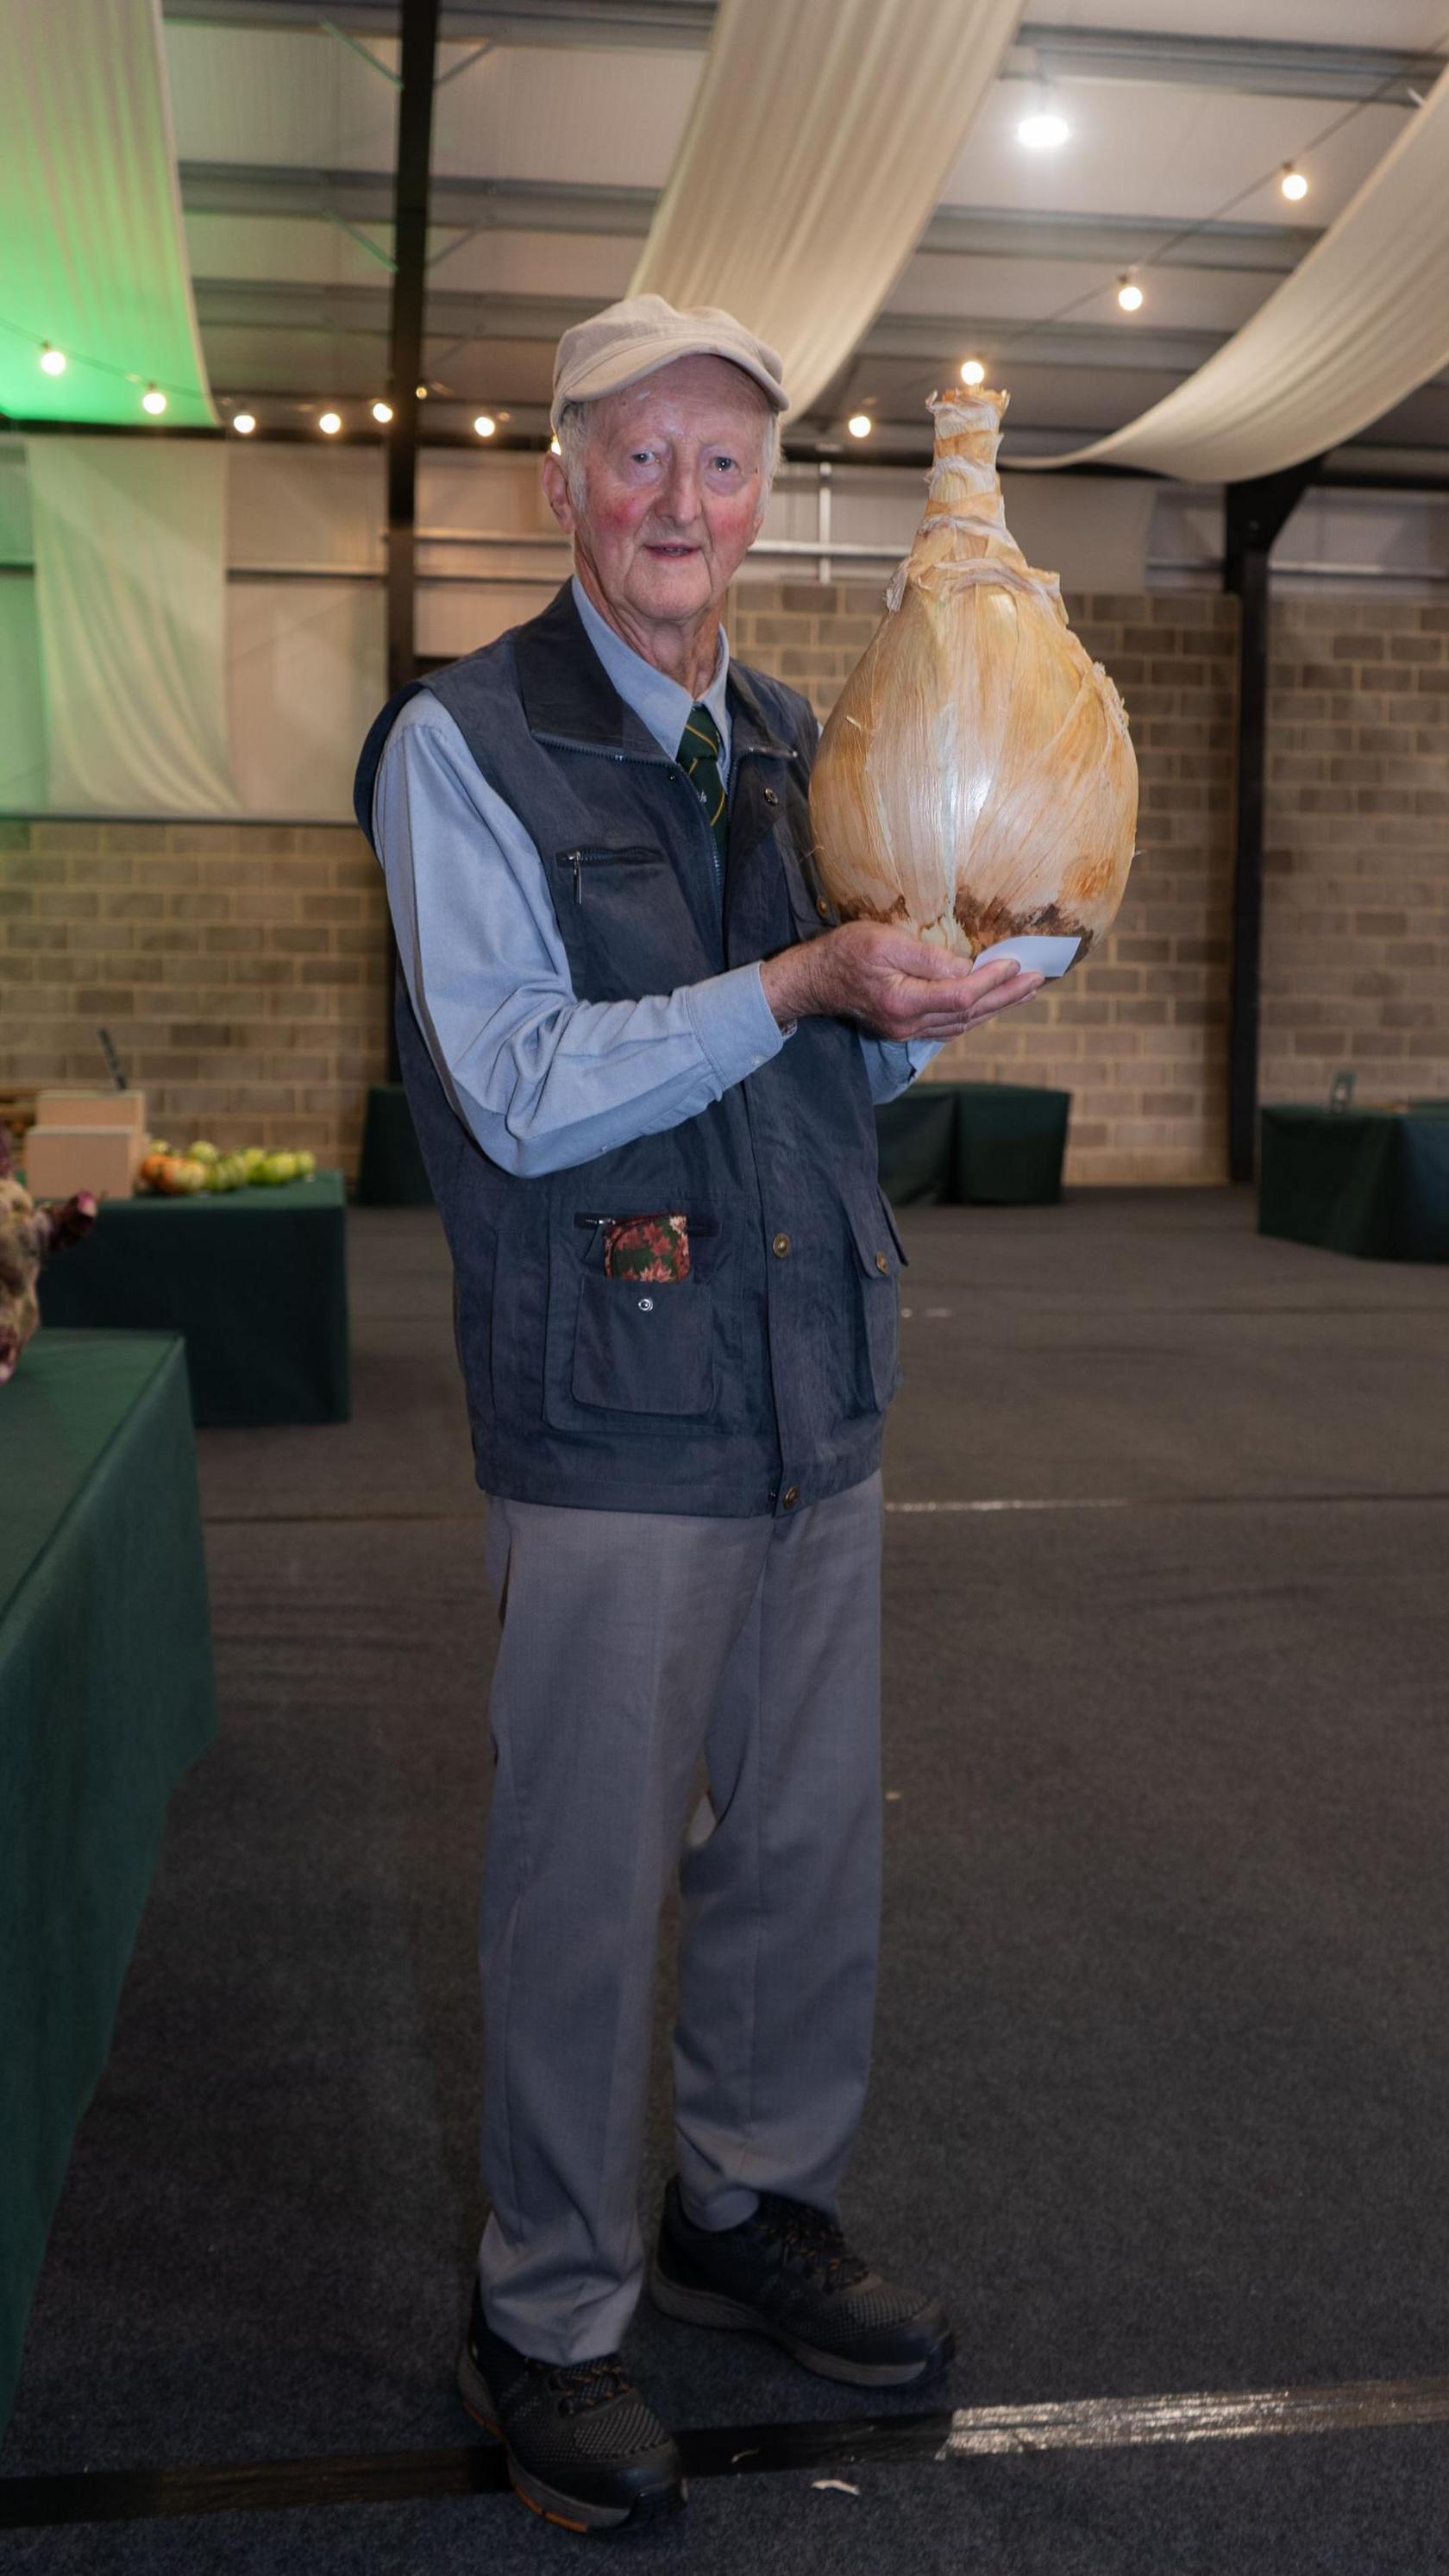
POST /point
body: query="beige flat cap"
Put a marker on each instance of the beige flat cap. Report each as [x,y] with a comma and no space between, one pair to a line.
[630,340]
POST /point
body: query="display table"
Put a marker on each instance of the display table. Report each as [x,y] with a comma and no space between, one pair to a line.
[255,1279]
[994,1143]
[106,1695]
[392,1173]
[1374,1182]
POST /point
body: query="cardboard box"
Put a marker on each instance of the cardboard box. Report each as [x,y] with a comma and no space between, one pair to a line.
[91,1109]
[103,1160]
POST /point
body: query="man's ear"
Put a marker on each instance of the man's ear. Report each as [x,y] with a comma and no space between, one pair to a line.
[556,493]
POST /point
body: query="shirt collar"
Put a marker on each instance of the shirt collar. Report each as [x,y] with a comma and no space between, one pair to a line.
[659,702]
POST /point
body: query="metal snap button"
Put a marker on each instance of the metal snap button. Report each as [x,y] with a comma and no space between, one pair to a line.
[646,1305]
[780,1246]
[790,1497]
[881,1262]
[770,797]
[822,907]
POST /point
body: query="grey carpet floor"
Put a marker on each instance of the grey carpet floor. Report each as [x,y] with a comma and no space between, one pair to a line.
[1162,2081]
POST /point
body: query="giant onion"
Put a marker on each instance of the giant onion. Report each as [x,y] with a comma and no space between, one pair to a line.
[975,781]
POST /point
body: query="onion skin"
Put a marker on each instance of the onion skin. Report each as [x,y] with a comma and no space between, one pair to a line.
[976,780]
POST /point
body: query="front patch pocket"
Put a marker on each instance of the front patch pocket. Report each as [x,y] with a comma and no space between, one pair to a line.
[580,865]
[641,1349]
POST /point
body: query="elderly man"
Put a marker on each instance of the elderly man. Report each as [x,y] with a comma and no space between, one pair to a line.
[643,1063]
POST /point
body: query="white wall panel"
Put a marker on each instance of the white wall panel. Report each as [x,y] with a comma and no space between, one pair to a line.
[306,674]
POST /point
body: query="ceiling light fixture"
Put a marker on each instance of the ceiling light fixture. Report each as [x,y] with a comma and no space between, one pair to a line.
[382,413]
[1129,295]
[485,424]
[972,372]
[243,422]
[1293,183]
[1043,130]
[860,424]
[330,423]
[154,401]
[52,360]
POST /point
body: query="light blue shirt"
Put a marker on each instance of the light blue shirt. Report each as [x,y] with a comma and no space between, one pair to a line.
[540,1079]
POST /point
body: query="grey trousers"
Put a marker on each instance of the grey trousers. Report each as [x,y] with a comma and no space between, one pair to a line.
[632,1644]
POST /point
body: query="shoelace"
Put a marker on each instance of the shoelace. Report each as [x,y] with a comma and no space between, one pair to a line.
[816,2245]
[585,2385]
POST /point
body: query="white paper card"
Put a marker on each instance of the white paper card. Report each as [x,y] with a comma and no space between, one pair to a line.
[1035,956]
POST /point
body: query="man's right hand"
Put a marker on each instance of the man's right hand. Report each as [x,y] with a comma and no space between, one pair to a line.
[892,983]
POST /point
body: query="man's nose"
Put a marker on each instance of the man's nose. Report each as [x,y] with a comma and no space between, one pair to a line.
[680,497]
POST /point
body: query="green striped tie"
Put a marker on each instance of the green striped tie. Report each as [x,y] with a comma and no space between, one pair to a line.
[700,746]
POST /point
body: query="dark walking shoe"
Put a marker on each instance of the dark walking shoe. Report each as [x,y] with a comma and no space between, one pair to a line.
[788,2273]
[583,2448]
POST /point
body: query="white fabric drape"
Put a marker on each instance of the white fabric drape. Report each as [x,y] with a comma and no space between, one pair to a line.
[90,217]
[820,136]
[1359,325]
[130,595]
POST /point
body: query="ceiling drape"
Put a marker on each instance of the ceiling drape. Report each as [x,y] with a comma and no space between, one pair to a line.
[130,608]
[94,256]
[815,152]
[1357,327]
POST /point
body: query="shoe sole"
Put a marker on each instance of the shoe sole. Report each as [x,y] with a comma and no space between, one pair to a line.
[712,2308]
[571,2513]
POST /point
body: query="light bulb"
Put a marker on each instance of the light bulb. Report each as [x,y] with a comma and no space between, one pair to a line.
[554,448]
[154,401]
[422,393]
[1293,183]
[1129,296]
[243,422]
[972,372]
[485,424]
[860,424]
[382,413]
[52,360]
[1043,130]
[330,423]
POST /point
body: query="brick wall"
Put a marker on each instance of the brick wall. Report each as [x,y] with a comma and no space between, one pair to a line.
[1356,932]
[1138,1035]
[240,968]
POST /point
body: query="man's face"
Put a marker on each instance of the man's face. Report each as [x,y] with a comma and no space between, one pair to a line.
[675,490]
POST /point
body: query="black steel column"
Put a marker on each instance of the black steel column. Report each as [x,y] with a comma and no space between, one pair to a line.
[1255,514]
[409,249]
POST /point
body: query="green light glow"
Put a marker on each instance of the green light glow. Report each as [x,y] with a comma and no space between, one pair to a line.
[95,260]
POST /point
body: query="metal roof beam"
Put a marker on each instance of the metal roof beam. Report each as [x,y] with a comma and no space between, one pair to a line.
[548,206]
[1249,64]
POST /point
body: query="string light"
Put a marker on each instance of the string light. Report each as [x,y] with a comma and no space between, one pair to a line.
[243,422]
[382,413]
[1293,183]
[52,360]
[860,424]
[485,424]
[1129,295]
[330,423]
[554,448]
[422,393]
[972,372]
[154,401]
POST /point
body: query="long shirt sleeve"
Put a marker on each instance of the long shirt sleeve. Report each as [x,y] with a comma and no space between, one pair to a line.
[539,1078]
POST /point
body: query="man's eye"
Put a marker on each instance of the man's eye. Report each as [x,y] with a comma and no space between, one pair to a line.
[728,462]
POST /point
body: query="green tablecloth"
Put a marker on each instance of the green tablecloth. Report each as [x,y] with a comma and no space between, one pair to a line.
[106,1694]
[995,1143]
[1367,1181]
[255,1279]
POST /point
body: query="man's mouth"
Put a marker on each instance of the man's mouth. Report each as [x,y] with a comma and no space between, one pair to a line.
[672,553]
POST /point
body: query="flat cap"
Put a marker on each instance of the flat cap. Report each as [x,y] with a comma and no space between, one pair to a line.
[631,340]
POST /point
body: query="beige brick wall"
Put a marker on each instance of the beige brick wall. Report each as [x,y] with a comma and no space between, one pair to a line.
[1356,928]
[240,968]
[1139,1034]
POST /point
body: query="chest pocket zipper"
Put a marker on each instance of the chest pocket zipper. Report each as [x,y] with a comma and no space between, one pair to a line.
[578,860]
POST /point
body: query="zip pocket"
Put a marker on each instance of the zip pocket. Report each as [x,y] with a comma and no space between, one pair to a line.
[577,860]
[696,1224]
